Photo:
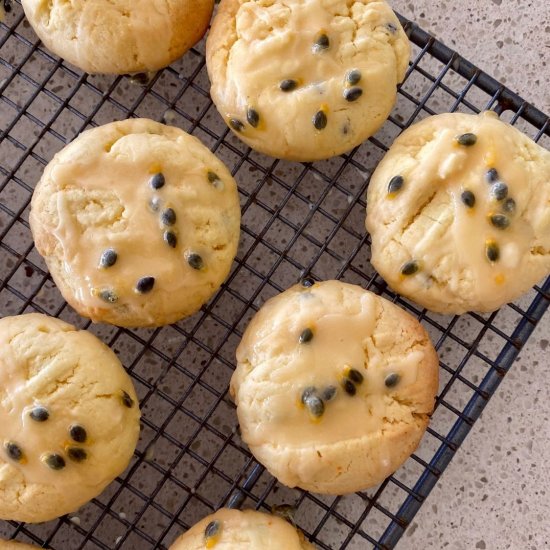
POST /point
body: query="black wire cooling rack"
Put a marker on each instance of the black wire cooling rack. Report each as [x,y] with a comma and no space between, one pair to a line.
[297,219]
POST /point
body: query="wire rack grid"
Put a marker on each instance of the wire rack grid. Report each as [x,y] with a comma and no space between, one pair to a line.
[298,219]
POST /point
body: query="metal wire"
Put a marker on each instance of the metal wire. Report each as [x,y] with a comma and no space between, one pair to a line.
[298,219]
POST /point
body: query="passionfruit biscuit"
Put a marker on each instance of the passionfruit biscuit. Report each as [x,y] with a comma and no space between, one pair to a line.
[119,36]
[305,79]
[235,530]
[343,408]
[459,213]
[12,545]
[138,223]
[69,418]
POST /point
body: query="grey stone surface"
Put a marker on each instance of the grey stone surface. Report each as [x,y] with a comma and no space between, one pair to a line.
[496,493]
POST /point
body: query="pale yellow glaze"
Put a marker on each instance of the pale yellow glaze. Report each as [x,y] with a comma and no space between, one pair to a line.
[428,222]
[340,340]
[96,195]
[46,362]
[254,45]
[119,36]
[248,530]
[350,330]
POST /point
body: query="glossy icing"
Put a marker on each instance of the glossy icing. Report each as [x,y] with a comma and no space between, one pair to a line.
[269,42]
[182,234]
[427,221]
[273,361]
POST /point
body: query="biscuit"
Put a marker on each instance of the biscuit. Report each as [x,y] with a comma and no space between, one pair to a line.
[12,545]
[459,213]
[305,80]
[334,386]
[138,223]
[69,418]
[119,36]
[235,530]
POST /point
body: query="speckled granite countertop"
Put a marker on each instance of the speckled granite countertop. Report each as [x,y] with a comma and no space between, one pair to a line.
[496,492]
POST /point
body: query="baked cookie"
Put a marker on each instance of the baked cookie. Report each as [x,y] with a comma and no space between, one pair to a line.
[305,79]
[69,418]
[138,223]
[119,36]
[235,530]
[12,545]
[459,213]
[334,387]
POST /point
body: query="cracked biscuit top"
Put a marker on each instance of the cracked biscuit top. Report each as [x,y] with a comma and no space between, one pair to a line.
[69,418]
[305,79]
[334,386]
[119,36]
[459,213]
[138,223]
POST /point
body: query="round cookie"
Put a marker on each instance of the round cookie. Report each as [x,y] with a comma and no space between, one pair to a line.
[119,36]
[334,387]
[305,79]
[138,223]
[69,418]
[235,530]
[459,213]
[12,545]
